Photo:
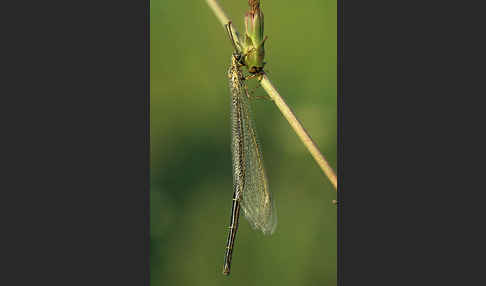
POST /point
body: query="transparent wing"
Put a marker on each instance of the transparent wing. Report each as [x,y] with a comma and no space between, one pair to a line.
[256,202]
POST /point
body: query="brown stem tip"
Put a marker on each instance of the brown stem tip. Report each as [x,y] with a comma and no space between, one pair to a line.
[254,5]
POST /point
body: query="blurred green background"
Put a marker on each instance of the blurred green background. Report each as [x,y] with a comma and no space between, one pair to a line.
[191,180]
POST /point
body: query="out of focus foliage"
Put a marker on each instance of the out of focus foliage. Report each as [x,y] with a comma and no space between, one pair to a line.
[191,180]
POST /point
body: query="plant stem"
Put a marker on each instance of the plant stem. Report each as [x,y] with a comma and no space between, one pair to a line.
[284,108]
[299,129]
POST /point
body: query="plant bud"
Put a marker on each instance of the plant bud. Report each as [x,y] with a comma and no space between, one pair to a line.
[253,46]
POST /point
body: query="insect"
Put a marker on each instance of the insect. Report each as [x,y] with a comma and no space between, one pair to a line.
[250,186]
[248,54]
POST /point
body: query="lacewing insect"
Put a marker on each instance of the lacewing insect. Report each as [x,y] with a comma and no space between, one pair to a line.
[250,186]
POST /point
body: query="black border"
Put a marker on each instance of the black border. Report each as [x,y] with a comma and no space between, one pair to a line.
[76,148]
[404,90]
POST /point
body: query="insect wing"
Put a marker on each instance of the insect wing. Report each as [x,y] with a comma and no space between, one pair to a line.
[257,203]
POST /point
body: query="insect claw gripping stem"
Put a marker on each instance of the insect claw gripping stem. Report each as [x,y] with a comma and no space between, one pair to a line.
[250,93]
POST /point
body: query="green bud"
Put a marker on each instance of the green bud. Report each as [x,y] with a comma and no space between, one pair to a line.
[253,45]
